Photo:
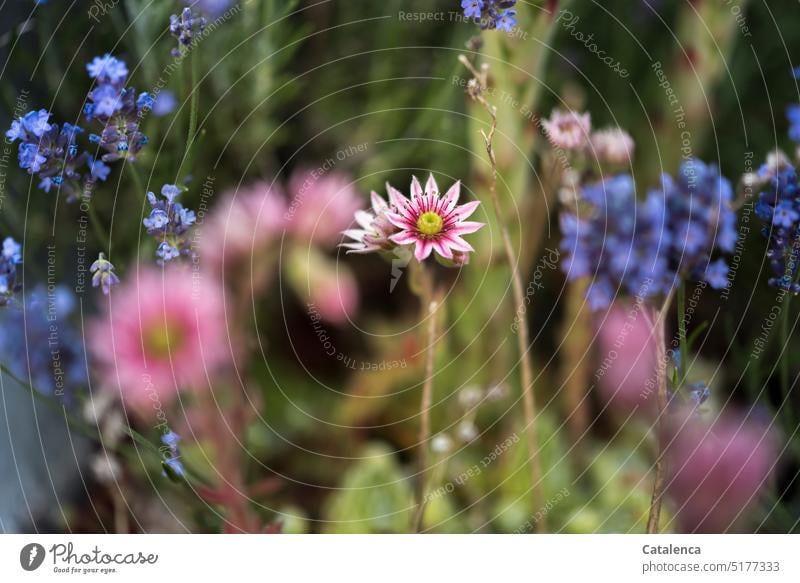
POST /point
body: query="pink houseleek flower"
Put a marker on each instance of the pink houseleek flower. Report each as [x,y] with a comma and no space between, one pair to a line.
[163,332]
[376,229]
[612,145]
[568,130]
[432,222]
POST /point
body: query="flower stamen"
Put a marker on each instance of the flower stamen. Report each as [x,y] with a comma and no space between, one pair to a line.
[430,224]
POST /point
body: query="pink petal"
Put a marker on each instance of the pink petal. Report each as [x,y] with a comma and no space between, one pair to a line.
[397,198]
[431,188]
[423,250]
[464,228]
[467,208]
[404,238]
[356,234]
[451,198]
[399,221]
[416,188]
[442,249]
[457,243]
[364,219]
[378,204]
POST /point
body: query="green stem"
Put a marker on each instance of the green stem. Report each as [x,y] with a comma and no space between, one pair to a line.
[784,360]
[193,104]
[97,226]
[424,288]
[137,180]
[684,348]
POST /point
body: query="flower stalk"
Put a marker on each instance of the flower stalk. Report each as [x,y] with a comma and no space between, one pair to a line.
[476,89]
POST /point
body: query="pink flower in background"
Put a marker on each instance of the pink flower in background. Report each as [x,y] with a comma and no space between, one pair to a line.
[327,285]
[612,145]
[244,223]
[322,206]
[717,470]
[432,222]
[163,332]
[568,130]
[626,356]
[334,293]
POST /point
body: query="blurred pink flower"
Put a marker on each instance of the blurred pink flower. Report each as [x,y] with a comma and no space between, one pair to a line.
[163,332]
[245,222]
[626,371]
[335,295]
[612,145]
[717,470]
[568,130]
[326,286]
[323,204]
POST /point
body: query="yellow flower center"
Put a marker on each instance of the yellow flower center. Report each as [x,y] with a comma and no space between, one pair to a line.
[429,224]
[163,339]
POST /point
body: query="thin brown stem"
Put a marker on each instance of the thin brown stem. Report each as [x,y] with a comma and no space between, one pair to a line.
[476,91]
[659,479]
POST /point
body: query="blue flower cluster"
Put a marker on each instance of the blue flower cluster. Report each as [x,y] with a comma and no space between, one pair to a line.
[103,275]
[616,241]
[779,207]
[645,247]
[41,346]
[52,153]
[184,28]
[117,109]
[700,220]
[172,458]
[10,257]
[169,221]
[492,14]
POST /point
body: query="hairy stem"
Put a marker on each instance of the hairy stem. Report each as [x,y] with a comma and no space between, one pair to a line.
[659,479]
[523,339]
[429,308]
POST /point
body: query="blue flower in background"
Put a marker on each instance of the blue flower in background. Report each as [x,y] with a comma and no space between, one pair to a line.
[169,221]
[615,241]
[212,8]
[700,220]
[164,103]
[779,207]
[472,8]
[117,109]
[51,152]
[171,454]
[9,259]
[108,69]
[491,14]
[40,345]
[103,275]
[184,28]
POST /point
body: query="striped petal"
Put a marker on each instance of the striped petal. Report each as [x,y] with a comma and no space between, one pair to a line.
[464,228]
[451,197]
[416,188]
[404,238]
[466,209]
[431,188]
[423,249]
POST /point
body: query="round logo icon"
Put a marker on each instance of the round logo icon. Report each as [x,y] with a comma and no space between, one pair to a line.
[31,556]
